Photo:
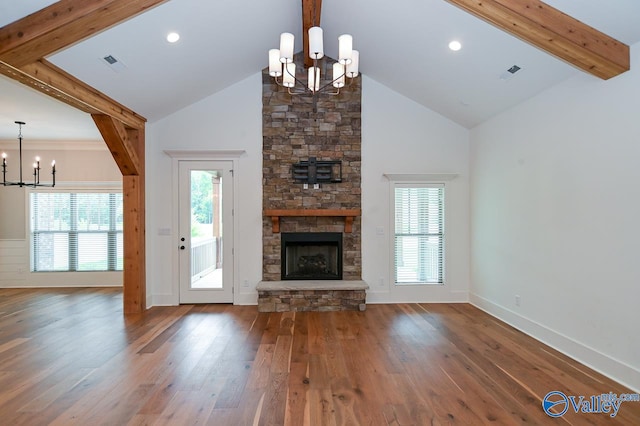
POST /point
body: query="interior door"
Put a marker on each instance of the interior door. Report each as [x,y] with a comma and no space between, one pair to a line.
[206,231]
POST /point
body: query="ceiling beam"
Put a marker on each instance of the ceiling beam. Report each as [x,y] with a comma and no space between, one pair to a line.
[62,24]
[310,17]
[25,42]
[45,77]
[554,32]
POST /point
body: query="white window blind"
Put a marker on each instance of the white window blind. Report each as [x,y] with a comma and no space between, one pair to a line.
[419,234]
[76,231]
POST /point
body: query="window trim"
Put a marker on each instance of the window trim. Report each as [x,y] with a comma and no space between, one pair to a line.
[413,181]
[68,187]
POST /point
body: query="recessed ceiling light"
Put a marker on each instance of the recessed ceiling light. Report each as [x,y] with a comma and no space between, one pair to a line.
[173,37]
[455,45]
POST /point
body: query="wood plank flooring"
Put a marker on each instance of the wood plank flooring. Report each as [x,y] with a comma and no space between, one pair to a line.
[69,356]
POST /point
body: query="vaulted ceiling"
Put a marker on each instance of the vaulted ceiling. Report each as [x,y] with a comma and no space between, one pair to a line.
[403,45]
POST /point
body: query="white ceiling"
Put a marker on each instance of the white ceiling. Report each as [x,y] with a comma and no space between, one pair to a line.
[402,44]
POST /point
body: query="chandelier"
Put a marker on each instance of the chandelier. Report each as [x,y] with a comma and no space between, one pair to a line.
[283,69]
[36,166]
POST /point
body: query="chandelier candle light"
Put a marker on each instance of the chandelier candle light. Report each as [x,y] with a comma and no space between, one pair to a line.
[36,166]
[281,63]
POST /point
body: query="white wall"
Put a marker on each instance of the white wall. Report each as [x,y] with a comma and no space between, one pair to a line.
[555,206]
[400,136]
[228,120]
[394,130]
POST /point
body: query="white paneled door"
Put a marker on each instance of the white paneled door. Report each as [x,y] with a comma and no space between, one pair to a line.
[206,231]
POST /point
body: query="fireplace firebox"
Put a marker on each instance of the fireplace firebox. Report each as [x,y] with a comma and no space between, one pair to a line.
[311,256]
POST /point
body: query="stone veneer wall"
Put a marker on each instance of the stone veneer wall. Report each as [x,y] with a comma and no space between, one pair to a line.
[294,128]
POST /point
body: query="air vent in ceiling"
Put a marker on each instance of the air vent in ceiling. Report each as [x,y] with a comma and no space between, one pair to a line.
[508,74]
[113,63]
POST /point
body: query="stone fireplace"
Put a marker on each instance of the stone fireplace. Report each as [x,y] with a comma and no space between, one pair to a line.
[296,129]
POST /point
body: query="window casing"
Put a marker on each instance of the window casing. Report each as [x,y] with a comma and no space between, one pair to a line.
[76,231]
[419,237]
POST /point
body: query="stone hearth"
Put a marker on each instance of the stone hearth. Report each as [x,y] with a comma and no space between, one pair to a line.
[301,296]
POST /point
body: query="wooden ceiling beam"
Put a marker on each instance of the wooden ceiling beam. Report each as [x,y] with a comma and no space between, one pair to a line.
[554,32]
[63,24]
[45,77]
[311,10]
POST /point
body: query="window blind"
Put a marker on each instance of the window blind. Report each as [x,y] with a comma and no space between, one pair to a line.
[419,234]
[76,231]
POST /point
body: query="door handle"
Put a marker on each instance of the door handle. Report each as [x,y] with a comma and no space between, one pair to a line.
[181,247]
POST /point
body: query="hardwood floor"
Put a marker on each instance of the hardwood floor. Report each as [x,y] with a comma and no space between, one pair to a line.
[69,356]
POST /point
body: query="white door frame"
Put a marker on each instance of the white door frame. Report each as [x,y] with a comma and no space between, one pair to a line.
[199,155]
[187,293]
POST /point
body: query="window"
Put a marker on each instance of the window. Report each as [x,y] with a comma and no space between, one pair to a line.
[419,234]
[76,231]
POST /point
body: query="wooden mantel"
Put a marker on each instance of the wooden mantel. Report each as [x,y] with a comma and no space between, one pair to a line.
[347,214]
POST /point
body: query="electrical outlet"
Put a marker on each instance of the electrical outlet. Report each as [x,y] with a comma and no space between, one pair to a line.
[517,300]
[245,283]
[381,282]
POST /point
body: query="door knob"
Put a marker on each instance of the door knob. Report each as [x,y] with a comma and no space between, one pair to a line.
[181,247]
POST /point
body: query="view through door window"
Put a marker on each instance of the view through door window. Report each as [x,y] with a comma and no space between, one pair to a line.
[206,229]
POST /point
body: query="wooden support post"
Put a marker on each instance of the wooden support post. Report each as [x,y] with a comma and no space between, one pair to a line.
[133,188]
[127,148]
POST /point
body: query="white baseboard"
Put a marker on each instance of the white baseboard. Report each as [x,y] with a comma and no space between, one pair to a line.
[246,298]
[61,286]
[163,300]
[616,370]
[172,300]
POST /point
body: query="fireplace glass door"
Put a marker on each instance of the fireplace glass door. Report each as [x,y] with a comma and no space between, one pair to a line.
[311,256]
